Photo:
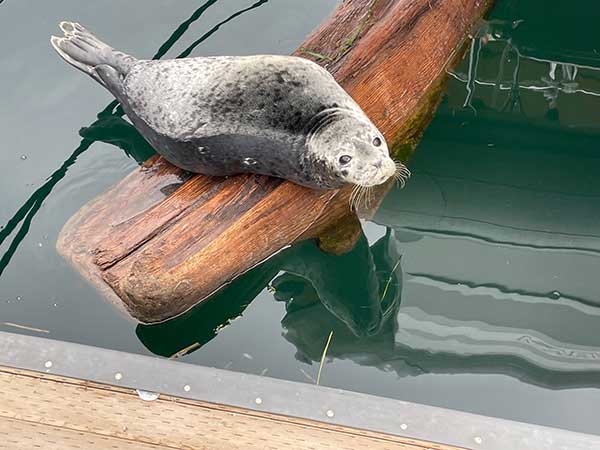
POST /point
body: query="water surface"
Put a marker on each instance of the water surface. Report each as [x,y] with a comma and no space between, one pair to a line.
[474,288]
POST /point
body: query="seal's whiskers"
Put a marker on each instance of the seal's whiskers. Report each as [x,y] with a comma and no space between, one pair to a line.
[402,174]
[365,196]
[361,195]
[356,197]
[353,195]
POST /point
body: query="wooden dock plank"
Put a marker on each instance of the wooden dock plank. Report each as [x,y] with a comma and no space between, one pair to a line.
[22,435]
[51,412]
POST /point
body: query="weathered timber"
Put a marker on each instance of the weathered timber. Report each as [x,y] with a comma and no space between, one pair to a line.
[162,240]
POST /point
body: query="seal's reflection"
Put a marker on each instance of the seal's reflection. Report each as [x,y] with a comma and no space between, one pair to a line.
[355,293]
[349,286]
[115,130]
[354,300]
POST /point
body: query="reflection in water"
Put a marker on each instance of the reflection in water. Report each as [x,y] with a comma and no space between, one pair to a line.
[182,29]
[346,285]
[460,328]
[187,333]
[500,237]
[554,76]
[27,212]
[115,130]
[349,286]
[214,29]
[502,234]
[118,132]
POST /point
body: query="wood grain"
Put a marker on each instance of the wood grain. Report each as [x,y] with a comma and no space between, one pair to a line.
[23,435]
[161,240]
[51,412]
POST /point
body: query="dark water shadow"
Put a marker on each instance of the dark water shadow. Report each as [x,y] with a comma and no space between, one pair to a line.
[214,29]
[310,277]
[110,128]
[192,330]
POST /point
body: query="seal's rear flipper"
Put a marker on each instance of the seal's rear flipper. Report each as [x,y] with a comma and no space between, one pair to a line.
[110,78]
[83,50]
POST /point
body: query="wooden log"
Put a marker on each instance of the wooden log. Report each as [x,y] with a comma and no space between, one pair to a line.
[162,240]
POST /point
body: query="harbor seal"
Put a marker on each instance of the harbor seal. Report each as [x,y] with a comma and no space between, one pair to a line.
[282,116]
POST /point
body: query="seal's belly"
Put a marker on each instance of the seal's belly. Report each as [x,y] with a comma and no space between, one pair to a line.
[229,154]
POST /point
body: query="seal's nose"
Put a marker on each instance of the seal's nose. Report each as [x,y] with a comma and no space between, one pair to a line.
[378,164]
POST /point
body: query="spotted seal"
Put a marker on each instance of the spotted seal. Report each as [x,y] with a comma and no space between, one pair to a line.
[282,116]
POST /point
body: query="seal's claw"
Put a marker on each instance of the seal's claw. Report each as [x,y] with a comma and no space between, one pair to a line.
[67,27]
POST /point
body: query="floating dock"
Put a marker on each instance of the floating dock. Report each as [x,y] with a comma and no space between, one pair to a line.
[58,395]
[52,412]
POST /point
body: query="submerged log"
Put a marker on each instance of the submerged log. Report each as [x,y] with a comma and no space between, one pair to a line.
[162,240]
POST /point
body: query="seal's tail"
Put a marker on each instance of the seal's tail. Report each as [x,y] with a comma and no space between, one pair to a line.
[83,50]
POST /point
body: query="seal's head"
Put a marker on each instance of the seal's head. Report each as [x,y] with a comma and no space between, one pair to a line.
[351,150]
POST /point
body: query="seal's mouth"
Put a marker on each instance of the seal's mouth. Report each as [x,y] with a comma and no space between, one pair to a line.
[363,193]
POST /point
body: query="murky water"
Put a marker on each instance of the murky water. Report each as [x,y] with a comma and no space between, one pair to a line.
[474,288]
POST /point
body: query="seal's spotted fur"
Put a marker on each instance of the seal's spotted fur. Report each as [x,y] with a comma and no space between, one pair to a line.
[276,115]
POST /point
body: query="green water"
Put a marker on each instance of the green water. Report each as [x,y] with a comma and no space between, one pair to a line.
[474,288]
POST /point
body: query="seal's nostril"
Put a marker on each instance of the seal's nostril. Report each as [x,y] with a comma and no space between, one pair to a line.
[377,165]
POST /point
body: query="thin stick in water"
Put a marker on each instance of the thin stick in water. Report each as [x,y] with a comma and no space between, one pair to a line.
[323,356]
[389,280]
[25,327]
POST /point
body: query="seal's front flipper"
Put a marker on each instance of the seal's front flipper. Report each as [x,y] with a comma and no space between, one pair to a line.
[83,50]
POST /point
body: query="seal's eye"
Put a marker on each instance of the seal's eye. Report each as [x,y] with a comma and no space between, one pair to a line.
[345,159]
[376,142]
